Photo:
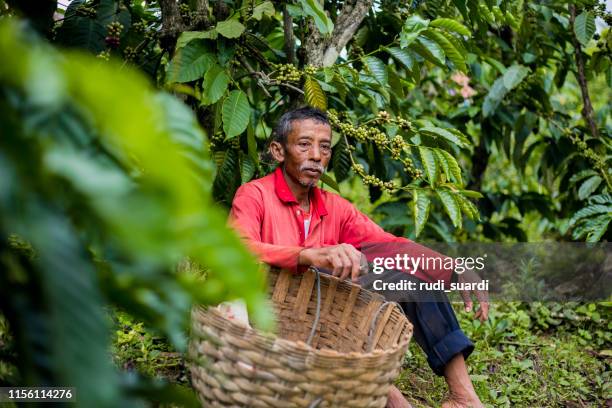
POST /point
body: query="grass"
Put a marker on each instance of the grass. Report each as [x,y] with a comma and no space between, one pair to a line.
[518,363]
[527,355]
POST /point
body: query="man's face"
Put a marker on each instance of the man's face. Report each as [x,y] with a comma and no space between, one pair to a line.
[307,151]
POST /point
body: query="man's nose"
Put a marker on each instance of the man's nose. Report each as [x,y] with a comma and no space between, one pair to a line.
[315,153]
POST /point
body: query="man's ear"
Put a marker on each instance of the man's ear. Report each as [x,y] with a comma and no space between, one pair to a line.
[278,151]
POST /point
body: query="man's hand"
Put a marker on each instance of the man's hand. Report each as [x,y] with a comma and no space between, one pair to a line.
[469,276]
[344,260]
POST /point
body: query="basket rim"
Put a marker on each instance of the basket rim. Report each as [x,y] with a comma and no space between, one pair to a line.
[200,312]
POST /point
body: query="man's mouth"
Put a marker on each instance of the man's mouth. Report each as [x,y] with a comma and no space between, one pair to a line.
[312,171]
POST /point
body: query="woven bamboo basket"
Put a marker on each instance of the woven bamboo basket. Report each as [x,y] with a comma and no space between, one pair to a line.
[338,345]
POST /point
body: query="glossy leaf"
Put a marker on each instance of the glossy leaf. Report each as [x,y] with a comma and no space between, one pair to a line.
[236,113]
[451,25]
[189,63]
[413,26]
[420,208]
[313,94]
[451,206]
[584,27]
[214,85]
[230,28]
[315,10]
[428,158]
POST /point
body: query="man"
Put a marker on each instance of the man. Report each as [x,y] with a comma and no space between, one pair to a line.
[290,223]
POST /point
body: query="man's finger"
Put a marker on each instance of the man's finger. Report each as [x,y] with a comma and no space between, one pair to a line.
[467,300]
[356,270]
[346,265]
[336,265]
[484,308]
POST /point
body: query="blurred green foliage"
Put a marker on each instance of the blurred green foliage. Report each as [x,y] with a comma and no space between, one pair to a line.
[104,188]
[453,121]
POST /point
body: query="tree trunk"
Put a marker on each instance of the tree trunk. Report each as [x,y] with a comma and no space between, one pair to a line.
[323,52]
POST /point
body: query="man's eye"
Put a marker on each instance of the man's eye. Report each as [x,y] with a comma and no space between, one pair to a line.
[304,144]
[326,148]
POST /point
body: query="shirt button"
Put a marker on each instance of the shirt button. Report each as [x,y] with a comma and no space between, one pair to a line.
[298,212]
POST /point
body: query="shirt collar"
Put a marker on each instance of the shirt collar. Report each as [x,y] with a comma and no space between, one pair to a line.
[285,195]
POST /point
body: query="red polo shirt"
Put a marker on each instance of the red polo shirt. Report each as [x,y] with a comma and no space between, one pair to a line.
[269,218]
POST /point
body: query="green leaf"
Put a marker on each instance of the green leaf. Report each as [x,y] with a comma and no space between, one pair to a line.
[451,25]
[236,113]
[589,186]
[420,208]
[187,134]
[590,211]
[341,161]
[430,165]
[597,227]
[451,52]
[471,193]
[228,176]
[512,21]
[189,63]
[442,163]
[514,75]
[467,207]
[445,134]
[453,167]
[230,28]
[581,175]
[215,84]
[502,85]
[451,206]
[187,36]
[494,97]
[457,43]
[411,29]
[402,56]
[430,50]
[247,168]
[584,27]
[327,179]
[377,68]
[313,94]
[315,10]
[264,9]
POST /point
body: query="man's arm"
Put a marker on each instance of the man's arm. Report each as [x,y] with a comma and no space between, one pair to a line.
[246,218]
[357,230]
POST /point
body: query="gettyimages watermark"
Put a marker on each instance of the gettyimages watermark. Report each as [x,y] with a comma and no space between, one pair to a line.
[526,272]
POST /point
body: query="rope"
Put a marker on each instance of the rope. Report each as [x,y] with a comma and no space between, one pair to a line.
[316,403]
[369,343]
[318,314]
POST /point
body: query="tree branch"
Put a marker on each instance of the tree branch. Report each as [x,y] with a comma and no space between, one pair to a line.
[289,40]
[587,108]
[172,24]
[322,51]
[201,20]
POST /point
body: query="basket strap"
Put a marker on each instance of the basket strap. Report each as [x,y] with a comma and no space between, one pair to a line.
[316,403]
[372,331]
[318,314]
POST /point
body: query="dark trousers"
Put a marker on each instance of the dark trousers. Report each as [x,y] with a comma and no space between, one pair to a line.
[436,329]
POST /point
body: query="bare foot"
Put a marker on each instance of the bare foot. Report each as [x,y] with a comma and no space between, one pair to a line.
[454,402]
[396,399]
[462,393]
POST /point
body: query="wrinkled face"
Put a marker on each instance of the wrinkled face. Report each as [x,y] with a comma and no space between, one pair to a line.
[307,151]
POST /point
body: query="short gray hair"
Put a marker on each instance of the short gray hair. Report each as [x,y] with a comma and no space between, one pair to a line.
[283,127]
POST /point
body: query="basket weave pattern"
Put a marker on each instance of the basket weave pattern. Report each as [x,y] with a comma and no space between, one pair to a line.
[355,354]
